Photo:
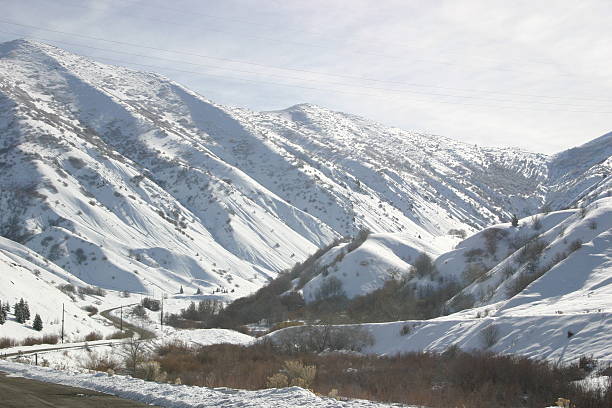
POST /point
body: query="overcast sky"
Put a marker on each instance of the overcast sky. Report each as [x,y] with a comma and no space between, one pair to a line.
[532,74]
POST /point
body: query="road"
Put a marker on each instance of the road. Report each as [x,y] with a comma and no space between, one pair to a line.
[18,392]
[143,334]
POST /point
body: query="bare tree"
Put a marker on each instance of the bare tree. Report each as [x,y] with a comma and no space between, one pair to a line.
[134,352]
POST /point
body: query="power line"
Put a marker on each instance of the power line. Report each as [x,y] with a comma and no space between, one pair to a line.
[305,79]
[304,44]
[340,91]
[311,32]
[277,68]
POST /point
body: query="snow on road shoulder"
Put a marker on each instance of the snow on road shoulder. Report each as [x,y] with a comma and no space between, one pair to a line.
[180,396]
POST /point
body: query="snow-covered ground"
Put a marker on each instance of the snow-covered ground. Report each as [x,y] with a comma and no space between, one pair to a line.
[181,396]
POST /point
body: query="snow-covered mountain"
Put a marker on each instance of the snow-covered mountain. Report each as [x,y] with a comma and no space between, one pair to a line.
[128,180]
[545,285]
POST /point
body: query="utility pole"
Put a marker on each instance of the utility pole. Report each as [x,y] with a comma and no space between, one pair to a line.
[161,314]
[62,323]
[121,318]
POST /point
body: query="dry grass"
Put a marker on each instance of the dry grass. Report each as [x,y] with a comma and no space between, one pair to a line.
[435,380]
[46,339]
[6,342]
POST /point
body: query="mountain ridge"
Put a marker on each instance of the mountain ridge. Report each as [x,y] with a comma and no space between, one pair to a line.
[160,187]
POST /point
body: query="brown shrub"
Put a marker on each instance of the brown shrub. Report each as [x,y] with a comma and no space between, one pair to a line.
[6,342]
[50,339]
[120,335]
[90,309]
[101,362]
[93,336]
[455,378]
[31,341]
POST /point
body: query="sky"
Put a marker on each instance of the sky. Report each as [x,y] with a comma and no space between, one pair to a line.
[527,74]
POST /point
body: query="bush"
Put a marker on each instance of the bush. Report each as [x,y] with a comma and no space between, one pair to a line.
[100,362]
[31,341]
[492,237]
[6,342]
[424,266]
[473,254]
[294,374]
[134,353]
[321,338]
[200,316]
[474,272]
[462,301]
[519,283]
[459,233]
[300,375]
[359,239]
[278,380]
[405,330]
[489,336]
[153,305]
[92,291]
[532,250]
[50,339]
[151,371]
[331,287]
[587,363]
[451,379]
[139,311]
[508,270]
[575,245]
[93,336]
[91,310]
[120,335]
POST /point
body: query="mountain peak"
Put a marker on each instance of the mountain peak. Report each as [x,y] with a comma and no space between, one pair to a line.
[186,188]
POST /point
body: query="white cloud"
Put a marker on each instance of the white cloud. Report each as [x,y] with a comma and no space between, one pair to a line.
[489,54]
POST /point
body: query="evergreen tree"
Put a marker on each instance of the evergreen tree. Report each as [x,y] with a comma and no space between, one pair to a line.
[38,325]
[181,291]
[514,220]
[22,311]
[2,313]
[19,313]
[198,292]
[26,311]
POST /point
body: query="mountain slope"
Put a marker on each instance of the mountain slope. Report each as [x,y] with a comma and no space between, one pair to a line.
[130,181]
[544,288]
[27,275]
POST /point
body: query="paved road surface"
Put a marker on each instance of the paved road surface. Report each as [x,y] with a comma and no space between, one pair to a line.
[24,393]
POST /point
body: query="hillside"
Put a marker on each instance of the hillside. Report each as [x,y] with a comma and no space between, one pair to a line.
[544,286]
[27,275]
[128,180]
